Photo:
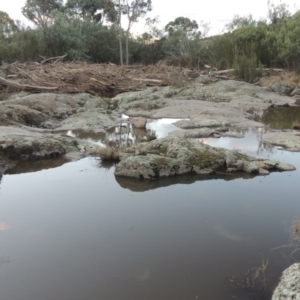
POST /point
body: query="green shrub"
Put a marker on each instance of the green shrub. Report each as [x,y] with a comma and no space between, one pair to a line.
[247,68]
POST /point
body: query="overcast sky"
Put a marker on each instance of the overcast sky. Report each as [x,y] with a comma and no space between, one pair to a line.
[216,12]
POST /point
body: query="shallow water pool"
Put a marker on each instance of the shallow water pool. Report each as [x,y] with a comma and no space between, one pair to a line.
[72,231]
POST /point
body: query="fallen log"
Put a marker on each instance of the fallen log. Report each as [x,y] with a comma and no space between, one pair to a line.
[147,80]
[24,86]
[222,72]
[56,58]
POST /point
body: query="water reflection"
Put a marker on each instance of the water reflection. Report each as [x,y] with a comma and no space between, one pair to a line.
[126,135]
[123,135]
[250,144]
[137,185]
[162,127]
[281,117]
[36,165]
[98,240]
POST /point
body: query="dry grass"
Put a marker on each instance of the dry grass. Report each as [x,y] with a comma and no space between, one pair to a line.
[108,153]
[97,79]
[294,232]
[141,149]
[254,278]
[295,237]
[176,79]
[286,78]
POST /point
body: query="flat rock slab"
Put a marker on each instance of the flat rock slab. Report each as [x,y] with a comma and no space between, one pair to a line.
[221,103]
[58,112]
[173,156]
[289,140]
[32,143]
[289,285]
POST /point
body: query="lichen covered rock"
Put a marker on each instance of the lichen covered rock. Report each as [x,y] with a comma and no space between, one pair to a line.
[289,285]
[176,156]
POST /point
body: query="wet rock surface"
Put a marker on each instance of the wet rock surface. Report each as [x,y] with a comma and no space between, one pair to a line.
[173,156]
[289,285]
[289,140]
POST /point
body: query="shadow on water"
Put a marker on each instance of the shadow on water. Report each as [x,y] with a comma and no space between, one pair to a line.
[281,117]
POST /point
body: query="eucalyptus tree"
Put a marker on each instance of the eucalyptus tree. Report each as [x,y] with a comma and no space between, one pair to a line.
[133,10]
[7,26]
[95,10]
[183,24]
[40,13]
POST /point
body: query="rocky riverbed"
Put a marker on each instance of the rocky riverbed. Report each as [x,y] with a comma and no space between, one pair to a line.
[34,126]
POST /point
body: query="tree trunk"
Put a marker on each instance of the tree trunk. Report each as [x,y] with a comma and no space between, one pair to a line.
[120,35]
[121,49]
[127,48]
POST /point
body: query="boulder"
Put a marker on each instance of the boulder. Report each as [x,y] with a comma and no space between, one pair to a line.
[177,156]
[289,285]
[138,122]
[295,92]
[281,89]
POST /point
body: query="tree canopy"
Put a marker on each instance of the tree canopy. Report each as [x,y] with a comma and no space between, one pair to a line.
[183,24]
[75,28]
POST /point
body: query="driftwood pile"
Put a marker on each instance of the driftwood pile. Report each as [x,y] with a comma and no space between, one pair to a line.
[96,79]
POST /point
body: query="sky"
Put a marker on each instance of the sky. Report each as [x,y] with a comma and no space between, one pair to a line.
[216,12]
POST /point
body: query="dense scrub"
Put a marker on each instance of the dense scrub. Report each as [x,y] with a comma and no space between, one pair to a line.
[247,45]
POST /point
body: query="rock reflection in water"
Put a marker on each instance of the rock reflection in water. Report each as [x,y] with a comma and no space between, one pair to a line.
[140,185]
[36,165]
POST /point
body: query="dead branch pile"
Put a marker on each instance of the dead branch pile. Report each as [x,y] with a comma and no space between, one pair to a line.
[96,79]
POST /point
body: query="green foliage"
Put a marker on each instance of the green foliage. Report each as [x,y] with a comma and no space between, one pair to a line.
[71,27]
[182,24]
[7,26]
[247,68]
[87,9]
[39,11]
[31,44]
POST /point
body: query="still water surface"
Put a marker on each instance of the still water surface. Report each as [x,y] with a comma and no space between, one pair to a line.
[71,231]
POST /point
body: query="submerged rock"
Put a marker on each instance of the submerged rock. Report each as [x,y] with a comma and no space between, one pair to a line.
[289,285]
[176,156]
